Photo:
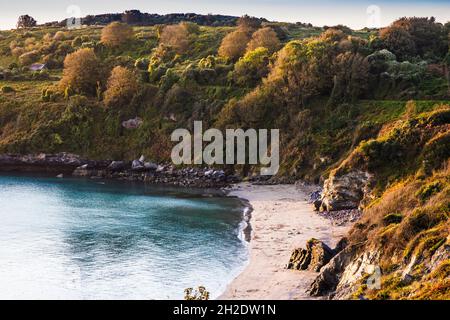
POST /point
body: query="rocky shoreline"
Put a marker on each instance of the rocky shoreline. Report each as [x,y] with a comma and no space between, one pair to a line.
[62,164]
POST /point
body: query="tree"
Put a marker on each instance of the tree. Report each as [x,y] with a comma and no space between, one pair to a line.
[266,38]
[121,87]
[234,44]
[408,37]
[399,41]
[82,72]
[351,77]
[248,23]
[26,21]
[116,34]
[176,36]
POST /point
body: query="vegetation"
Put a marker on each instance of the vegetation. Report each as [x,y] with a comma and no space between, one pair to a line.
[121,87]
[26,21]
[82,73]
[345,100]
[116,34]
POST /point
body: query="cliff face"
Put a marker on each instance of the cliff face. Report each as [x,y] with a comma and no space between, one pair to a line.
[400,248]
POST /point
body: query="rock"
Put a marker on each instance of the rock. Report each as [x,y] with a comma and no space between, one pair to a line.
[313,258]
[60,176]
[137,165]
[345,191]
[132,123]
[116,166]
[342,274]
[82,171]
[150,166]
[142,159]
[328,279]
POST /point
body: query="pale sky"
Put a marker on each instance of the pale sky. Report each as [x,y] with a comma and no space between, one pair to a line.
[352,13]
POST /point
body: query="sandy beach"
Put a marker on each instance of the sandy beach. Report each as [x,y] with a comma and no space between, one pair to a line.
[282,220]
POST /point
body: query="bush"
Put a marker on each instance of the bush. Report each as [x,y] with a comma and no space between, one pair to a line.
[121,87]
[176,37]
[7,89]
[17,51]
[266,38]
[142,64]
[251,68]
[399,41]
[234,44]
[82,72]
[60,36]
[116,34]
[29,57]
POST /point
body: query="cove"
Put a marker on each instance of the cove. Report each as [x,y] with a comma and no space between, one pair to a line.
[88,239]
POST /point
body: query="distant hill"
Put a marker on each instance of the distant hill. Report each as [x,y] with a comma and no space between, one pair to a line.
[135,17]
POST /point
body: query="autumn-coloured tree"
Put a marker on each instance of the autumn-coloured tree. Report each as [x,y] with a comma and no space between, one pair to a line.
[176,36]
[82,72]
[266,38]
[121,87]
[332,34]
[234,44]
[26,21]
[116,34]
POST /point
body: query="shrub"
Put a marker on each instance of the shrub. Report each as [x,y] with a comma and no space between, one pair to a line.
[121,87]
[429,190]
[116,34]
[234,44]
[399,41]
[60,36]
[266,38]
[351,77]
[177,37]
[197,294]
[29,57]
[249,70]
[142,64]
[82,72]
[17,51]
[7,89]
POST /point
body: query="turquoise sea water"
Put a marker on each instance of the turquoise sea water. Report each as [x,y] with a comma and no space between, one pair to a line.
[84,239]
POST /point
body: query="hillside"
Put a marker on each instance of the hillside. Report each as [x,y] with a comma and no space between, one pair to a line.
[365,113]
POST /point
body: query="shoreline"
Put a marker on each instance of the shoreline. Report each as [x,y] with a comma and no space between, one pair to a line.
[281,221]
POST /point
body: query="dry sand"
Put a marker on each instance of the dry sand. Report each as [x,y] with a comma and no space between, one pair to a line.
[282,220]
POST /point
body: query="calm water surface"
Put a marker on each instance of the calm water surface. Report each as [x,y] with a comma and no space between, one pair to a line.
[84,239]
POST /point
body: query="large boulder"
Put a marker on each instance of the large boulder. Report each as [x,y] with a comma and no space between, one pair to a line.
[137,165]
[343,192]
[313,258]
[116,166]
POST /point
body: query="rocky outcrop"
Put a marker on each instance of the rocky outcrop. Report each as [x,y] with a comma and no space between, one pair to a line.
[60,162]
[313,257]
[136,170]
[149,172]
[329,277]
[343,192]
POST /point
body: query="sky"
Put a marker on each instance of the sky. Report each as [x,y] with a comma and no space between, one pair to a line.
[353,13]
